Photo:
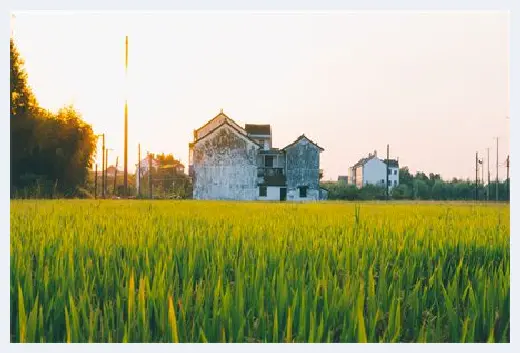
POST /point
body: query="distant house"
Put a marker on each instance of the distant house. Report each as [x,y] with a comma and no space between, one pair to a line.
[343,179]
[111,171]
[229,162]
[373,170]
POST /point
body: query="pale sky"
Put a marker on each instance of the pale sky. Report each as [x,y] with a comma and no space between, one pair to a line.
[435,86]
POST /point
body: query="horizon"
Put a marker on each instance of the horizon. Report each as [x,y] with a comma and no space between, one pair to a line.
[452,67]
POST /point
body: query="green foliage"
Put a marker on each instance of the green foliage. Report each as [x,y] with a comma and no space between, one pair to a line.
[50,153]
[262,272]
[419,187]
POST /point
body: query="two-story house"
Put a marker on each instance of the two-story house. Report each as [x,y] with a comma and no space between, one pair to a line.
[229,162]
[373,170]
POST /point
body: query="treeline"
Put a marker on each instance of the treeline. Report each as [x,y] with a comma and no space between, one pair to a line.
[421,187]
[51,153]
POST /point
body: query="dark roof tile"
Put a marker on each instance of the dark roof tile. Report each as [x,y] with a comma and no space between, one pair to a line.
[253,129]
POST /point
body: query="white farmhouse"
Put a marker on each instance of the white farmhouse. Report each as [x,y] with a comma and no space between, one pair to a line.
[373,171]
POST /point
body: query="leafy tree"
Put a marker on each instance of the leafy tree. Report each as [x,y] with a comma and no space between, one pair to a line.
[50,153]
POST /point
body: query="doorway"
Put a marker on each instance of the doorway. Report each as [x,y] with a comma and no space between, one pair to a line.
[283,194]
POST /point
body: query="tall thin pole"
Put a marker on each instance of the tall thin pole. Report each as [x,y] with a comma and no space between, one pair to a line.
[138,179]
[497,175]
[489,176]
[387,168]
[150,175]
[103,169]
[126,123]
[106,172]
[507,163]
[476,176]
[115,176]
[95,182]
[482,179]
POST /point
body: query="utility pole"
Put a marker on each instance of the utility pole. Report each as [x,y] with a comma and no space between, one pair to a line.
[138,179]
[115,176]
[489,175]
[150,175]
[95,182]
[106,172]
[507,164]
[126,123]
[497,175]
[476,176]
[387,169]
[103,167]
[481,162]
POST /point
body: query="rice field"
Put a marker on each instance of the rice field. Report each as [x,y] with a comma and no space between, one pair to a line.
[190,271]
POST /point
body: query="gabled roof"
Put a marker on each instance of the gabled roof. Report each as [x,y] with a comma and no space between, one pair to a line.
[232,127]
[253,129]
[301,137]
[361,162]
[392,163]
[215,117]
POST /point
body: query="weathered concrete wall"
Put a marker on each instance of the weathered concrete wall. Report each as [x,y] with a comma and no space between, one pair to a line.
[303,169]
[225,167]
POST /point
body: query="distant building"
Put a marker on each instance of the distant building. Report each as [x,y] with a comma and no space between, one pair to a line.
[372,170]
[229,162]
[343,179]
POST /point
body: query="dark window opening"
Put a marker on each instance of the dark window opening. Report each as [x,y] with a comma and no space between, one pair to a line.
[269,161]
[263,191]
[389,171]
[395,171]
[303,191]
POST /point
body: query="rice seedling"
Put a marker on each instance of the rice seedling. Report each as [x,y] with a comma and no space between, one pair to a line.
[139,271]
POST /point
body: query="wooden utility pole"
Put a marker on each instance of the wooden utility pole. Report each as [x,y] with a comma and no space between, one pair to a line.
[489,176]
[481,162]
[476,176]
[115,176]
[138,179]
[150,175]
[507,164]
[103,168]
[106,172]
[497,175]
[95,182]
[126,123]
[387,169]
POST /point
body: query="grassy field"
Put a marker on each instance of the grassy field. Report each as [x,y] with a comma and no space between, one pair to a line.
[188,271]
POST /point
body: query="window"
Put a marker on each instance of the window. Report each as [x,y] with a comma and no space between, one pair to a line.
[263,191]
[261,143]
[269,160]
[395,182]
[303,191]
[383,181]
[389,171]
[395,171]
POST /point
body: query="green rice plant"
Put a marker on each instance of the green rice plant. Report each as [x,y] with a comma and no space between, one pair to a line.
[189,271]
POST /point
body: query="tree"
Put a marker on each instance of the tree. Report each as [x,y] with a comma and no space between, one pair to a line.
[49,152]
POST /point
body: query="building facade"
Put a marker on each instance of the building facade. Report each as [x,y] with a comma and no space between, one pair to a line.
[373,171]
[228,162]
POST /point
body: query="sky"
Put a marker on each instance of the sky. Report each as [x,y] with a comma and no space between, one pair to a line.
[432,85]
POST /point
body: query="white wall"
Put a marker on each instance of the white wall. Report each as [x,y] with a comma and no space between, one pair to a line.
[294,195]
[374,171]
[393,179]
[273,194]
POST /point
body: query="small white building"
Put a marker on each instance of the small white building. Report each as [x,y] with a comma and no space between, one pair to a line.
[373,170]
